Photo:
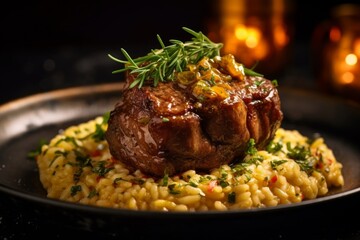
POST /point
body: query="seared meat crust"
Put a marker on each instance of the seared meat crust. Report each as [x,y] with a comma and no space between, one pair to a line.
[165,129]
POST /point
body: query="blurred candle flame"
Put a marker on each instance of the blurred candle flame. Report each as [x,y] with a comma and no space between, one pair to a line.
[347,77]
[351,59]
[338,66]
[254,31]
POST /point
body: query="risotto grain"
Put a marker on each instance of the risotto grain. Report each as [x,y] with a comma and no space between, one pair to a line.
[76,166]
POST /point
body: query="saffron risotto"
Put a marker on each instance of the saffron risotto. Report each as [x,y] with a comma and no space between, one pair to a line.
[76,166]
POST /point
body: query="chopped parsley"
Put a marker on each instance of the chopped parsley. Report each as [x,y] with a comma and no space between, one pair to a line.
[99,134]
[58,153]
[165,119]
[106,117]
[274,147]
[223,183]
[193,184]
[232,197]
[138,181]
[33,154]
[165,179]
[68,140]
[275,163]
[75,189]
[302,156]
[240,169]
[251,149]
[92,193]
[101,169]
[173,190]
[254,160]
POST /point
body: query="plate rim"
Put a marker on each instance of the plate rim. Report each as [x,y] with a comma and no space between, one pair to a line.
[111,87]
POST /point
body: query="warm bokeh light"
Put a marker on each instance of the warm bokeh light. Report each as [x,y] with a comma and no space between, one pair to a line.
[335,34]
[345,68]
[280,36]
[245,39]
[252,40]
[351,59]
[249,35]
[357,46]
[347,77]
[254,32]
[337,51]
[241,32]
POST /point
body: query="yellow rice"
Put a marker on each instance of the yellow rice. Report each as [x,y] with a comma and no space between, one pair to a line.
[76,166]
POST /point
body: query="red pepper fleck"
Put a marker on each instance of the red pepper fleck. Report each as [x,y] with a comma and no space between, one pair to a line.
[212,185]
[95,153]
[273,180]
[319,165]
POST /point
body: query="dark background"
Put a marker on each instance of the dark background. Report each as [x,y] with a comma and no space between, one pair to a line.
[48,45]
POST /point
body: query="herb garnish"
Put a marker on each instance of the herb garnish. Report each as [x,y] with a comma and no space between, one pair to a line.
[99,134]
[67,139]
[92,193]
[173,190]
[101,169]
[75,189]
[232,197]
[241,169]
[165,179]
[302,156]
[106,117]
[138,181]
[160,65]
[33,154]
[274,147]
[250,148]
[275,163]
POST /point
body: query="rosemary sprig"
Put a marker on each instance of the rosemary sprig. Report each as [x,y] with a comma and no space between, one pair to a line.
[161,64]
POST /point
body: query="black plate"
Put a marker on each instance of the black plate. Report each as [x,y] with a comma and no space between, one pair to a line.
[24,122]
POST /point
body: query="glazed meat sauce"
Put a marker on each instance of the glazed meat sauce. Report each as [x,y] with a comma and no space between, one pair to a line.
[200,121]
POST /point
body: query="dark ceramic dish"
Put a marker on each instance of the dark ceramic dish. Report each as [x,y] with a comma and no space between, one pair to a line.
[24,122]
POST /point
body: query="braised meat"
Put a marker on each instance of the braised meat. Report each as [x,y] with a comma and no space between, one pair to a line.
[201,120]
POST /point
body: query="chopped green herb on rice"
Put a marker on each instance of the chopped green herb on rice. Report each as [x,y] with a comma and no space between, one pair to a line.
[76,166]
